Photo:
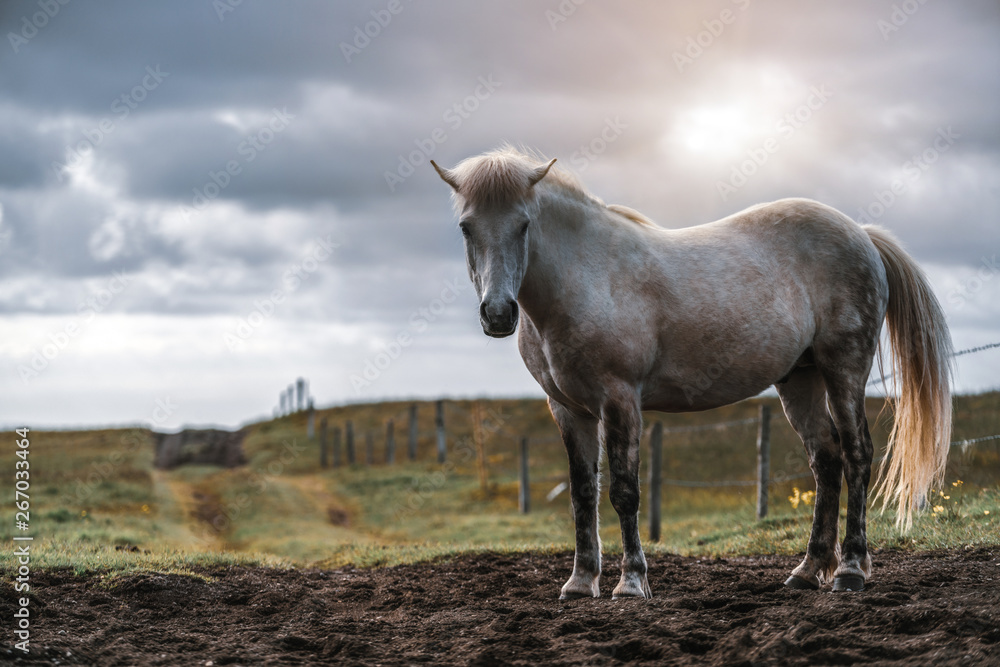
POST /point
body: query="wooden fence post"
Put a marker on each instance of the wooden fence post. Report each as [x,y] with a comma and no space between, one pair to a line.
[412,444]
[524,490]
[390,442]
[763,459]
[477,435]
[336,447]
[369,447]
[655,480]
[349,438]
[311,421]
[322,443]
[439,423]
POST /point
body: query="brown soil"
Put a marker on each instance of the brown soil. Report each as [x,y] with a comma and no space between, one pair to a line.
[936,608]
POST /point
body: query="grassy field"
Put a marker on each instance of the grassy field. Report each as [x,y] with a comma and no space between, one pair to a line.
[97,503]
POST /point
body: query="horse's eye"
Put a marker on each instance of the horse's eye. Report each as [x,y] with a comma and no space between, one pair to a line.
[465,229]
[524,227]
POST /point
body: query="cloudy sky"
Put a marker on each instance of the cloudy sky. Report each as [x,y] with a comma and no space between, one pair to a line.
[201,201]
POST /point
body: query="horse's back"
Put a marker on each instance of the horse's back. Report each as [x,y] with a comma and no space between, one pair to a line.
[757,289]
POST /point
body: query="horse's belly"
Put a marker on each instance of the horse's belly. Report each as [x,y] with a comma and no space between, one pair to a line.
[722,380]
[697,396]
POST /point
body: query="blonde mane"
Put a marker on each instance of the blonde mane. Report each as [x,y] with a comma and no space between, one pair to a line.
[502,176]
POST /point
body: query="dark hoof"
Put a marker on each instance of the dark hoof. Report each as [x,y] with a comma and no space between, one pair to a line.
[575,596]
[800,584]
[849,582]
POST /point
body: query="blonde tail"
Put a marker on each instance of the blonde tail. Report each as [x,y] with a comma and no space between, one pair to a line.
[921,369]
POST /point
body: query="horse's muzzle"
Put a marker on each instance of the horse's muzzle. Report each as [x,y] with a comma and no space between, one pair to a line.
[499,318]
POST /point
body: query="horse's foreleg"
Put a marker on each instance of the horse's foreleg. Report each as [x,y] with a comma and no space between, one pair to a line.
[622,422]
[579,435]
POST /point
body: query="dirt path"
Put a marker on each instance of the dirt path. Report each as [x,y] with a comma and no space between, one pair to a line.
[936,608]
[199,505]
[314,489]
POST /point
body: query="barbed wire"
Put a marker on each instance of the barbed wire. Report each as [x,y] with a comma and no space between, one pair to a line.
[778,479]
[972,441]
[971,350]
[403,414]
[717,426]
[988,346]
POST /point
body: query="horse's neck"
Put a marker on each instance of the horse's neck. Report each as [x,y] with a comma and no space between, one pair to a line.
[571,246]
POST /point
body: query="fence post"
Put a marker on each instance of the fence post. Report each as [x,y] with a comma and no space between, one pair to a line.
[322,443]
[300,387]
[655,480]
[349,438]
[763,459]
[412,444]
[390,442]
[524,491]
[439,422]
[477,435]
[369,448]
[336,447]
[311,421]
[281,404]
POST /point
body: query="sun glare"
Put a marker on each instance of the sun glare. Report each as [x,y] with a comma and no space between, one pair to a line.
[714,130]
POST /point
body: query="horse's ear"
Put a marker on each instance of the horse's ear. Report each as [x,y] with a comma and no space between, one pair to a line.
[446,175]
[540,173]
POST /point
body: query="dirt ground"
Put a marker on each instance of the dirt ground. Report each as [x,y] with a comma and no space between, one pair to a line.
[936,608]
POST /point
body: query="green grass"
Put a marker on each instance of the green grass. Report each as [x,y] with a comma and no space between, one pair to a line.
[93,491]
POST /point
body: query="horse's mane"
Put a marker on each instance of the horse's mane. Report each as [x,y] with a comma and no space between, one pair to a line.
[502,175]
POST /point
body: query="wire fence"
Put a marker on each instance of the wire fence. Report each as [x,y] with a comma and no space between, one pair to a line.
[490,423]
[960,353]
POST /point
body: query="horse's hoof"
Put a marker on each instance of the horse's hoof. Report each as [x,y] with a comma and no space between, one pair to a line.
[576,595]
[631,596]
[632,586]
[800,584]
[849,582]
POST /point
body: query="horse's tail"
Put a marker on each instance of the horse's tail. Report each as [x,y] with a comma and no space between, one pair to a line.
[921,370]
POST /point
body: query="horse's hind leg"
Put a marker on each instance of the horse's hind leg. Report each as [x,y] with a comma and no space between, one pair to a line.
[622,423]
[803,397]
[579,435]
[845,384]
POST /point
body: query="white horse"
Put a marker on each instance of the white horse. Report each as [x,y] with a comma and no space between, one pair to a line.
[619,315]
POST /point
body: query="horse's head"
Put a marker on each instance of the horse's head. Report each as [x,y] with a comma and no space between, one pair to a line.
[495,200]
